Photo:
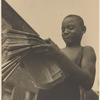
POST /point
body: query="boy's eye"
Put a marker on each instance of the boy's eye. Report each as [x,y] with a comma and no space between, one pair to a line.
[71,27]
[63,29]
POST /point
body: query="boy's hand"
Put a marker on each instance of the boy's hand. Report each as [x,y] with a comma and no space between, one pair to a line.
[47,49]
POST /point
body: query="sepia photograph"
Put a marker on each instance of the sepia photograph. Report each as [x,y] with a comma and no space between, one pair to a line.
[50,49]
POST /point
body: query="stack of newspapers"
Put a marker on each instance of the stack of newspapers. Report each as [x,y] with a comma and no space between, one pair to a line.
[16,42]
[18,49]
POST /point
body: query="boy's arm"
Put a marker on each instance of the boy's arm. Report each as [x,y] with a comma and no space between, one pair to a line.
[88,64]
[85,75]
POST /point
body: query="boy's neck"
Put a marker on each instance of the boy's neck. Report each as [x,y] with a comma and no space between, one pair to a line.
[73,46]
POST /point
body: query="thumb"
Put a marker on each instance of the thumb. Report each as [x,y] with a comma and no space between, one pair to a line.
[48,40]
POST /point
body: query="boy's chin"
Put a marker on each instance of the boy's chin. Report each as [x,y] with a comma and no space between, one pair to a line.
[69,43]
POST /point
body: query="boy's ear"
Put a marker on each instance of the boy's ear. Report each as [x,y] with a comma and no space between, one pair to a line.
[84,29]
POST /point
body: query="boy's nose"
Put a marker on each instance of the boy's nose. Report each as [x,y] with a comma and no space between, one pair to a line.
[66,32]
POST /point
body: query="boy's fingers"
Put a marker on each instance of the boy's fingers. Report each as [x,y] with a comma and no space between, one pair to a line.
[51,42]
[41,46]
[48,40]
[41,49]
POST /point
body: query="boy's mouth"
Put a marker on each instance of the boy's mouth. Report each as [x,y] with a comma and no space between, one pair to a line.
[66,35]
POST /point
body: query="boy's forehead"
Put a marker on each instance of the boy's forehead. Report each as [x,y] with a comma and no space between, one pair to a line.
[70,20]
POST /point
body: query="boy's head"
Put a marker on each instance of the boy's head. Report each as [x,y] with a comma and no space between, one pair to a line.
[78,18]
[73,29]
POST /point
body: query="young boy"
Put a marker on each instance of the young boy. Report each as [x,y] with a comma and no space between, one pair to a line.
[77,62]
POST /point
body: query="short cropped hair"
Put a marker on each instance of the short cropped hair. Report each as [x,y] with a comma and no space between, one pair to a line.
[81,22]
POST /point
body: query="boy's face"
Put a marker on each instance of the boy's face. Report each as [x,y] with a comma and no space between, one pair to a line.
[71,30]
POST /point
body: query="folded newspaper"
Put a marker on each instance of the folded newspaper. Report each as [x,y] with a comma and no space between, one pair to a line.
[18,48]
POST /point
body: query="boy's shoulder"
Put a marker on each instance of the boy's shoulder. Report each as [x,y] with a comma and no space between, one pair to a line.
[89,52]
[88,49]
[84,47]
